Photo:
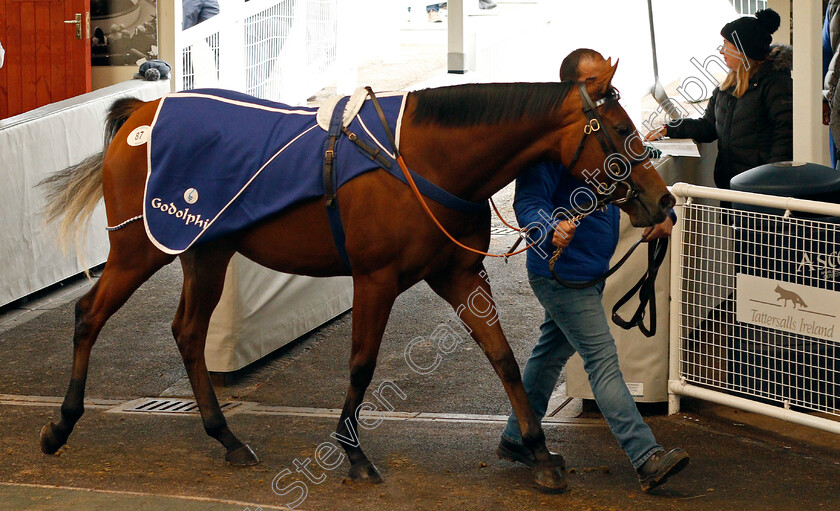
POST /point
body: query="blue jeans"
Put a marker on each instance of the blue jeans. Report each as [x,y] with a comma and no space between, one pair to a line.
[575,322]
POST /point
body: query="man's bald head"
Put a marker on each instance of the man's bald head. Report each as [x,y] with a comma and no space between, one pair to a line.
[581,65]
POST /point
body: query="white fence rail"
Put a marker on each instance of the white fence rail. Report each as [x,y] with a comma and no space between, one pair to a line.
[755,292]
[281,50]
[747,7]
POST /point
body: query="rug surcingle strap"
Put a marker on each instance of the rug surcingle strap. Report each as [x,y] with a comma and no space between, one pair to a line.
[329,151]
[374,153]
[330,186]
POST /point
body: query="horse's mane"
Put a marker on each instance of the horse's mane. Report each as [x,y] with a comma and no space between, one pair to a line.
[475,104]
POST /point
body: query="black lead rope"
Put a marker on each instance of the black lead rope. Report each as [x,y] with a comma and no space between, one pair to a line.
[645,287]
[589,283]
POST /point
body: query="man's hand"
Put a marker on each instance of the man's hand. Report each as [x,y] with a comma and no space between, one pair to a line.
[563,233]
[662,230]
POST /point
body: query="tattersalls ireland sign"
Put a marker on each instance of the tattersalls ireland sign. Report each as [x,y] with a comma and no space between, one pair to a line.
[789,307]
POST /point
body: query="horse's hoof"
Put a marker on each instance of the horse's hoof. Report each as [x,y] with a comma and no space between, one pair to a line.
[49,441]
[242,456]
[365,472]
[550,479]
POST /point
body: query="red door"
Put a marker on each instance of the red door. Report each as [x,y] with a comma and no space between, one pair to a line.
[46,59]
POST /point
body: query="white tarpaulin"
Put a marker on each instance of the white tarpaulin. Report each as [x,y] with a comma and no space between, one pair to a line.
[33,145]
[262,310]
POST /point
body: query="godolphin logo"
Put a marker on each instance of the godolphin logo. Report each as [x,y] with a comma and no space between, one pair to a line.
[184,214]
[191,196]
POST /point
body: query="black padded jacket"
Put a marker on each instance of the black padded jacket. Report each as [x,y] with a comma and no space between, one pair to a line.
[752,130]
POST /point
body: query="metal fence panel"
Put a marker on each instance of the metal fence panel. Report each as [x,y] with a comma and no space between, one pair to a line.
[747,7]
[282,50]
[754,300]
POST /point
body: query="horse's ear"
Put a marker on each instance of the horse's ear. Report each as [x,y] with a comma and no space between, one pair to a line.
[600,86]
[613,69]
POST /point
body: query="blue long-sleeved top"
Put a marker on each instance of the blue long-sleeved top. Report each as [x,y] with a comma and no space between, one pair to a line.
[540,191]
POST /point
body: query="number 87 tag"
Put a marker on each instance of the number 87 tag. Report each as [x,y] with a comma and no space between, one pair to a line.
[139,136]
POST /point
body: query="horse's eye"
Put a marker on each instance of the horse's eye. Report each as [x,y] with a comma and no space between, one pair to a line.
[622,130]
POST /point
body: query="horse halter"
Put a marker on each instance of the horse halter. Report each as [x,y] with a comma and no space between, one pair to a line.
[590,109]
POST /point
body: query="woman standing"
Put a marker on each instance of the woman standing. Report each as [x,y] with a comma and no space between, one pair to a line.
[751,113]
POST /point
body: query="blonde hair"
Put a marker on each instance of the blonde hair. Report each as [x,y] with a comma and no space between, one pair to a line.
[739,79]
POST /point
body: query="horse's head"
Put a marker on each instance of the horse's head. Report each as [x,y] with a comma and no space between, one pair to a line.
[602,147]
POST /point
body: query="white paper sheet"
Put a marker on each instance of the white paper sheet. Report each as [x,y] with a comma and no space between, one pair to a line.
[677,147]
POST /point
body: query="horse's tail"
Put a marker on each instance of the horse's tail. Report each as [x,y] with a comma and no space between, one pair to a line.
[73,193]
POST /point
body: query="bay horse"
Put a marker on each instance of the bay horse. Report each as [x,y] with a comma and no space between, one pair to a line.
[470,140]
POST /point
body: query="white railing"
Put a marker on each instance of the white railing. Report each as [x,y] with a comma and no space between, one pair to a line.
[755,295]
[747,7]
[282,50]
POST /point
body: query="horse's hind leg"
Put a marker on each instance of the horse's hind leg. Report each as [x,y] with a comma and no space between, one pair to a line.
[120,278]
[204,278]
[372,302]
[470,295]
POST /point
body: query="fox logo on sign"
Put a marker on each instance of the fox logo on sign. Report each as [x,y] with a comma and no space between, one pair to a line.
[790,296]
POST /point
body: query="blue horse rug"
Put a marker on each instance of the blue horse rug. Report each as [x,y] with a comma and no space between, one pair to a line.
[219,161]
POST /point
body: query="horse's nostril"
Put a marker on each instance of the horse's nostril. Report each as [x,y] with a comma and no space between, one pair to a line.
[667,201]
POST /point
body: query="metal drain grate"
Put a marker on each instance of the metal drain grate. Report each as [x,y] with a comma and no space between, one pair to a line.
[167,406]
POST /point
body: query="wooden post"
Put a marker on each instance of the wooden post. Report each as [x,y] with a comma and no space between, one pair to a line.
[166,37]
[810,137]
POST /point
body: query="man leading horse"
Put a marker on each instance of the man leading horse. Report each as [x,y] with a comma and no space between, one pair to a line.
[574,318]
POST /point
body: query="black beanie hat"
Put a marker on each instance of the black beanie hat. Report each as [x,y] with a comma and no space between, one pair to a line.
[752,33]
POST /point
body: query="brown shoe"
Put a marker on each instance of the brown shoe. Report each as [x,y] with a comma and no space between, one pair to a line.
[660,466]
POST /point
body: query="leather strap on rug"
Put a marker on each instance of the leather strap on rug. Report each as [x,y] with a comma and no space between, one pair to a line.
[330,186]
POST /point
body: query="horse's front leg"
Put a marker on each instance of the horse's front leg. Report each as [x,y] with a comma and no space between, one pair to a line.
[373,298]
[470,295]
